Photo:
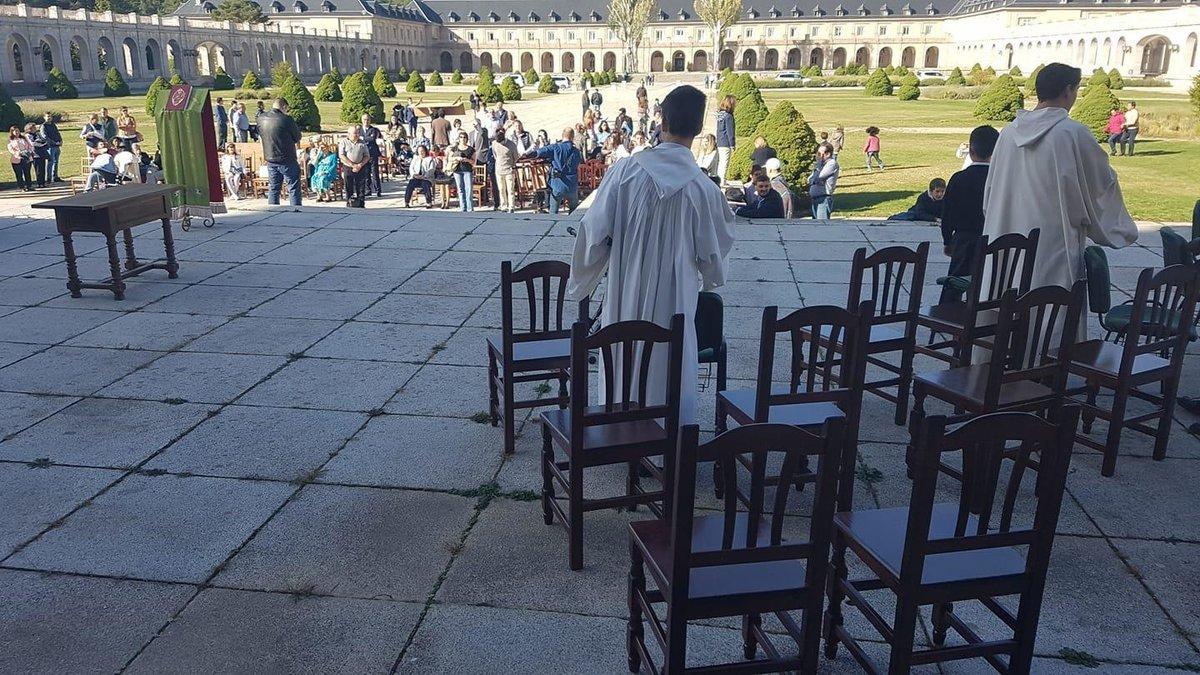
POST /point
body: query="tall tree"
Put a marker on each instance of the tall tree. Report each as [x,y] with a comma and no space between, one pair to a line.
[239,11]
[627,19]
[718,15]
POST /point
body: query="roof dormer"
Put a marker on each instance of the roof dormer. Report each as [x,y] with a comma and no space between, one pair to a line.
[840,11]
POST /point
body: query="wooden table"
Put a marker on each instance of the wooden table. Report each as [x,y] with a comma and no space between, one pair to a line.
[109,211]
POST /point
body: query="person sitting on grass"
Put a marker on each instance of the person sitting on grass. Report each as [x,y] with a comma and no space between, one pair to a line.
[928,206]
[768,203]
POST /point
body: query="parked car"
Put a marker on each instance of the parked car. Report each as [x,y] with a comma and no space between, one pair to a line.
[788,75]
[516,77]
[929,73]
[561,81]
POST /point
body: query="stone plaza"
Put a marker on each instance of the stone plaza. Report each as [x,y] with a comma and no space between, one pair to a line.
[275,463]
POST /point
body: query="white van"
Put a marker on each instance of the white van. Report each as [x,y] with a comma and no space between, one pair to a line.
[561,81]
[929,73]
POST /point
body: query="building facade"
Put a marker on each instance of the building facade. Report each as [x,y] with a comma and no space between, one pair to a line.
[1155,38]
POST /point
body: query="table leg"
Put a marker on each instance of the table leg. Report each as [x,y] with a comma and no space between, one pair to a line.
[169,244]
[130,259]
[73,283]
[114,264]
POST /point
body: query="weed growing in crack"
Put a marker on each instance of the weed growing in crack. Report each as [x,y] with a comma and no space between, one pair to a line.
[40,463]
[306,477]
[481,417]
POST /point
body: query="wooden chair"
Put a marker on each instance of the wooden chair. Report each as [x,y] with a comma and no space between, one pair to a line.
[480,191]
[591,173]
[1176,250]
[632,425]
[822,383]
[542,352]
[710,334]
[940,553]
[1004,263]
[736,562]
[1161,323]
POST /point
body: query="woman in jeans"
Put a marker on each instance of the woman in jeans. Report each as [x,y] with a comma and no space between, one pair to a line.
[726,132]
[20,152]
[460,158]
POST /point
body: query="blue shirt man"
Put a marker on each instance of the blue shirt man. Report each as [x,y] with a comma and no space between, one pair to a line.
[564,170]
[222,120]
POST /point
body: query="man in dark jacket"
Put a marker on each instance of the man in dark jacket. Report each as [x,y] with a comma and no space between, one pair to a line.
[54,146]
[371,135]
[280,134]
[769,203]
[222,119]
[962,208]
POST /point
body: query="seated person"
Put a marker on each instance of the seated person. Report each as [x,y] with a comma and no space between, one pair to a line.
[774,170]
[768,204]
[962,213]
[104,172]
[929,204]
[420,176]
[749,193]
[127,163]
[762,151]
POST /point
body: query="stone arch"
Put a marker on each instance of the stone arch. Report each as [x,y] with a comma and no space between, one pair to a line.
[129,55]
[567,62]
[908,57]
[322,58]
[1093,51]
[1107,51]
[700,61]
[656,62]
[80,66]
[589,62]
[466,63]
[506,62]
[18,59]
[1079,49]
[105,55]
[526,61]
[1189,50]
[547,62]
[931,57]
[839,57]
[726,60]
[445,62]
[793,58]
[174,58]
[749,60]
[771,59]
[678,61]
[485,60]
[610,61]
[1156,55]
[817,58]
[885,57]
[862,57]
[48,51]
[1008,56]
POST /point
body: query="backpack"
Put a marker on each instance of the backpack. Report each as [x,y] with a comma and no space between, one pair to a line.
[597,99]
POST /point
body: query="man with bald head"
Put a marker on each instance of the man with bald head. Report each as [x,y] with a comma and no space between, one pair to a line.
[564,160]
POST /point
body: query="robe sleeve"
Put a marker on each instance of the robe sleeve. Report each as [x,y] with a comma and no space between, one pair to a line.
[1108,222]
[593,242]
[712,235]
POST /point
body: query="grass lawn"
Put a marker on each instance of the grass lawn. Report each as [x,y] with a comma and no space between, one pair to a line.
[1158,183]
[72,153]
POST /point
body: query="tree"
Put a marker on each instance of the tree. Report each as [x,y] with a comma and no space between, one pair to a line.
[814,71]
[158,86]
[416,83]
[402,74]
[281,72]
[531,76]
[456,77]
[221,80]
[956,78]
[792,138]
[336,75]
[718,16]
[1032,81]
[434,79]
[1115,81]
[1193,94]
[1092,109]
[547,86]
[909,90]
[114,84]
[58,86]
[1001,101]
[301,105]
[176,80]
[238,11]
[10,113]
[1015,71]
[359,97]
[627,19]
[510,90]
[328,89]
[750,110]
[383,84]
[252,81]
[487,89]
[878,84]
[1098,77]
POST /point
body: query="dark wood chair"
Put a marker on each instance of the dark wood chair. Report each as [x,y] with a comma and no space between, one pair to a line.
[710,334]
[1161,323]
[736,562]
[1000,264]
[941,553]
[1176,249]
[821,383]
[481,192]
[541,352]
[632,425]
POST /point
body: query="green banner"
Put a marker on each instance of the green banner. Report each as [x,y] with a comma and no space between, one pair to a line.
[181,141]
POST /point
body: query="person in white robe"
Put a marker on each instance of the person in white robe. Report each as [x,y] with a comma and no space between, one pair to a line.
[663,231]
[1048,172]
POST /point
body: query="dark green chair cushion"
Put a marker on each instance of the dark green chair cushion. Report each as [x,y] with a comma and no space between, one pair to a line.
[960,284]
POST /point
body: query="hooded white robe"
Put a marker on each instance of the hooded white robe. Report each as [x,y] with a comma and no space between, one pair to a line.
[1048,172]
[661,228]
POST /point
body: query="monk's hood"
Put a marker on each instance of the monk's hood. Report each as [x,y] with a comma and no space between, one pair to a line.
[1031,125]
[670,165]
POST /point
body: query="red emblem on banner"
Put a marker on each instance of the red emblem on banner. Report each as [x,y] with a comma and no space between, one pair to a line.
[178,98]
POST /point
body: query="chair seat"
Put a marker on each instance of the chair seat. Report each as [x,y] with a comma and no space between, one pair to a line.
[604,436]
[653,537]
[1117,320]
[958,283]
[969,383]
[880,534]
[741,401]
[880,333]
[1096,357]
[953,314]
[526,353]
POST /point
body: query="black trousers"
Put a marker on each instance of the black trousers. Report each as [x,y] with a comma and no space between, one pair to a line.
[372,170]
[21,170]
[356,182]
[962,260]
[39,170]
[421,184]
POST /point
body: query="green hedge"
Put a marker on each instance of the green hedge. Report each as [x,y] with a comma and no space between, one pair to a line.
[1093,107]
[434,79]
[328,89]
[359,97]
[59,86]
[301,105]
[794,142]
[1001,101]
[251,80]
[158,86]
[510,90]
[956,78]
[382,84]
[878,84]
[415,84]
[10,113]
[221,80]
[456,77]
[547,86]
[114,84]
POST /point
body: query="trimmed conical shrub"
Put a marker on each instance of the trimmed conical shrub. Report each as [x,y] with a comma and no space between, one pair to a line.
[383,84]
[337,76]
[750,110]
[1092,109]
[531,76]
[359,97]
[328,89]
[59,86]
[1032,81]
[1015,71]
[114,84]
[487,89]
[10,113]
[281,72]
[221,80]
[402,74]
[908,91]
[176,80]
[956,78]
[456,77]
[789,134]
[1000,101]
[434,79]
[158,86]
[547,86]
[301,105]
[510,90]
[252,81]
[1115,81]
[1098,77]
[416,83]
[878,84]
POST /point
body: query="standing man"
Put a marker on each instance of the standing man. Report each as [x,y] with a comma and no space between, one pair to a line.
[823,181]
[1048,172]
[962,207]
[504,155]
[663,230]
[564,170]
[410,117]
[586,102]
[596,99]
[774,170]
[355,157]
[109,125]
[371,137]
[241,124]
[280,134]
[222,119]
[54,141]
[1131,127]
[439,129]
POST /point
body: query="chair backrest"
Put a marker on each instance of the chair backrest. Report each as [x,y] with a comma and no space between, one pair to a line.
[1003,263]
[1035,333]
[632,354]
[980,522]
[891,269]
[1164,306]
[742,531]
[710,321]
[1099,280]
[1175,248]
[545,285]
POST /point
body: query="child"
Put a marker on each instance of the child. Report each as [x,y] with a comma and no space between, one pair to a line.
[871,149]
[929,204]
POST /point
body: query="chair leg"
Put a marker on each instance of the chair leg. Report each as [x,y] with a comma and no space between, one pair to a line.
[903,634]
[833,613]
[675,655]
[563,391]
[510,425]
[941,622]
[722,370]
[493,395]
[635,634]
[575,515]
[547,480]
[720,426]
[904,387]
[749,642]
[631,482]
[1116,424]
[1087,415]
[915,422]
[1170,390]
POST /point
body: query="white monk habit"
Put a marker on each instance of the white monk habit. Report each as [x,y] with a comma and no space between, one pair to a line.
[662,229]
[1048,172]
